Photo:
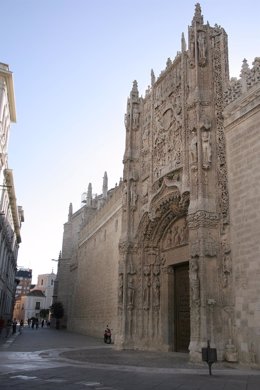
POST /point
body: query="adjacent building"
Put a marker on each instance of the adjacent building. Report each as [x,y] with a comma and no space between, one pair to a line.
[11,215]
[45,283]
[170,258]
[24,279]
[39,297]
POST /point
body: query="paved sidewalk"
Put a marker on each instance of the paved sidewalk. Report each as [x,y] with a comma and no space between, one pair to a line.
[96,359]
[84,348]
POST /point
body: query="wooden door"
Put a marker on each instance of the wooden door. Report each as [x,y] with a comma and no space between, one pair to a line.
[182,308]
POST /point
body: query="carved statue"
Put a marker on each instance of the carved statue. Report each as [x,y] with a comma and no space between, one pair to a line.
[133,194]
[130,292]
[135,117]
[194,148]
[156,291]
[194,280]
[202,45]
[206,148]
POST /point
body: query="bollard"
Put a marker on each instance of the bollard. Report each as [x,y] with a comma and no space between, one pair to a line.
[209,355]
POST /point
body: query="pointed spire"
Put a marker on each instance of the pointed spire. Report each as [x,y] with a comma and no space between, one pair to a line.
[105,183]
[183,43]
[70,212]
[89,195]
[152,77]
[197,18]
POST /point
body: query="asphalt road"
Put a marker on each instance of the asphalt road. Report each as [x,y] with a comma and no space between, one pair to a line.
[56,359]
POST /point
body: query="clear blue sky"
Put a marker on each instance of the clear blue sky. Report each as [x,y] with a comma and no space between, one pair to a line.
[73,63]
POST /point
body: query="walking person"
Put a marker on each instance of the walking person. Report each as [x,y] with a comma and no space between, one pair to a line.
[21,326]
[14,325]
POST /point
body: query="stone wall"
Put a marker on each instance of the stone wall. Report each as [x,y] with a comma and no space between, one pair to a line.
[93,301]
[242,129]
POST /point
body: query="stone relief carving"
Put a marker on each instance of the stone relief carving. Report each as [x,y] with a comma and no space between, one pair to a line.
[176,235]
[167,140]
[202,219]
[220,144]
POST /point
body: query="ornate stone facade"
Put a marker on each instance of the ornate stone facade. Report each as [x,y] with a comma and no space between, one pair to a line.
[172,258]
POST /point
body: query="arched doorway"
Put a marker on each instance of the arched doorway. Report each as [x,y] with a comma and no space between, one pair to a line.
[164,272]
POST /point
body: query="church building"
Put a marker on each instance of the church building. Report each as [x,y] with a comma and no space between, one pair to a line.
[170,258]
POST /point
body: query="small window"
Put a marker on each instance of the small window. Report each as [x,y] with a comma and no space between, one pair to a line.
[37,305]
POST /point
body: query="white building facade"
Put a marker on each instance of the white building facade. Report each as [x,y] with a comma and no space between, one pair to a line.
[11,215]
[45,283]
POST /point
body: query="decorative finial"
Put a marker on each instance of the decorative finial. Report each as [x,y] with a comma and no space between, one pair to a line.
[134,93]
[245,71]
[135,86]
[198,18]
[245,68]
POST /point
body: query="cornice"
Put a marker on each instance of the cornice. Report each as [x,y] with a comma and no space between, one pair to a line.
[8,77]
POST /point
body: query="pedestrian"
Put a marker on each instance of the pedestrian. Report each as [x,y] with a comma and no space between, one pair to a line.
[14,325]
[37,323]
[21,327]
[42,323]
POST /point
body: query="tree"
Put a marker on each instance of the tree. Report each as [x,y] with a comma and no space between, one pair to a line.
[44,313]
[57,311]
